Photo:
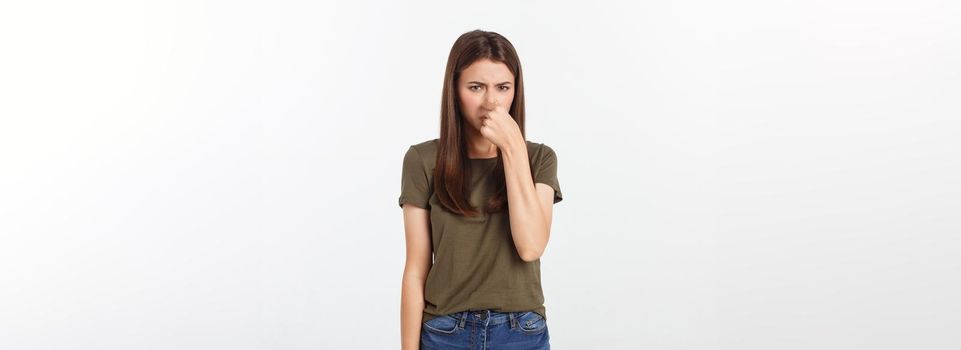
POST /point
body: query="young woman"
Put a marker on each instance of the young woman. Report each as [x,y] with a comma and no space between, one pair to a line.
[482,287]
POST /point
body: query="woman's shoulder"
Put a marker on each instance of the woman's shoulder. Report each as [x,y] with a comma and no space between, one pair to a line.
[425,145]
[428,147]
[539,150]
[425,150]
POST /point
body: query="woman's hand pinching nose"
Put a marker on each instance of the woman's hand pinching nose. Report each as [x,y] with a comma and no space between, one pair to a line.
[499,127]
[496,108]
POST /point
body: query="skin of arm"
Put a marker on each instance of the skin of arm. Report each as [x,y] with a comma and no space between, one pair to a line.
[419,262]
[530,205]
[483,87]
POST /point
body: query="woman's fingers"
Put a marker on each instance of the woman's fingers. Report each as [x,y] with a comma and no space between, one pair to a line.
[495,108]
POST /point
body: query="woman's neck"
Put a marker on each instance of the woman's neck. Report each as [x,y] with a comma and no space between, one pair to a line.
[480,147]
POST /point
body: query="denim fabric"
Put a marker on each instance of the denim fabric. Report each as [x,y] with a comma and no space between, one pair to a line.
[486,330]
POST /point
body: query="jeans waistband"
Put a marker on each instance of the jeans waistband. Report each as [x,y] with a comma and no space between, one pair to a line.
[488,317]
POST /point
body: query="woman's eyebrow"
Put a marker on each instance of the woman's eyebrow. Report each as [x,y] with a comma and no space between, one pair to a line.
[477,82]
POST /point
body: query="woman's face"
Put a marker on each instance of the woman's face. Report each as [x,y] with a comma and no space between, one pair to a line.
[479,85]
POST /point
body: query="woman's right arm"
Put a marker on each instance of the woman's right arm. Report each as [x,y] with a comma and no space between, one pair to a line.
[419,262]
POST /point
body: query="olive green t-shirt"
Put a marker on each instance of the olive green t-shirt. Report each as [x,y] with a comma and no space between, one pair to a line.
[476,265]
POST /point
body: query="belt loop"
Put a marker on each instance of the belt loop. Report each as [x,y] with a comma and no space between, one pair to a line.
[463,318]
[513,320]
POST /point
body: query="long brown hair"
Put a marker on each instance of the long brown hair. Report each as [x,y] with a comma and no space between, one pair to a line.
[451,175]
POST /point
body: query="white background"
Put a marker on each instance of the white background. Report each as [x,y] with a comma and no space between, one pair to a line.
[225,175]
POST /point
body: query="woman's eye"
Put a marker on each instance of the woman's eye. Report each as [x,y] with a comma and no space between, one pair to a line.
[505,88]
[472,87]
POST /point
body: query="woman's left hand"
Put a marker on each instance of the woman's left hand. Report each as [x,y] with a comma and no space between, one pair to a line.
[500,128]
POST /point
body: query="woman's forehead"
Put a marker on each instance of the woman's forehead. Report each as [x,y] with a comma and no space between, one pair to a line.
[487,71]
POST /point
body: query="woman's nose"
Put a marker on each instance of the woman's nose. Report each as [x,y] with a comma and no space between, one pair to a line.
[489,101]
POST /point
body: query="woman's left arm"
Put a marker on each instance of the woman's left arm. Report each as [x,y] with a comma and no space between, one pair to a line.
[530,205]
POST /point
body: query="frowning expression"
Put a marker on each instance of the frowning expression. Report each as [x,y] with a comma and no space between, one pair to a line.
[479,85]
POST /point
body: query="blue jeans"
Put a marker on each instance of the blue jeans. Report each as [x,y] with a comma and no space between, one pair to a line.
[486,329]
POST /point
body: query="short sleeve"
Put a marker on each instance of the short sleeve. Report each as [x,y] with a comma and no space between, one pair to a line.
[414,184]
[545,171]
